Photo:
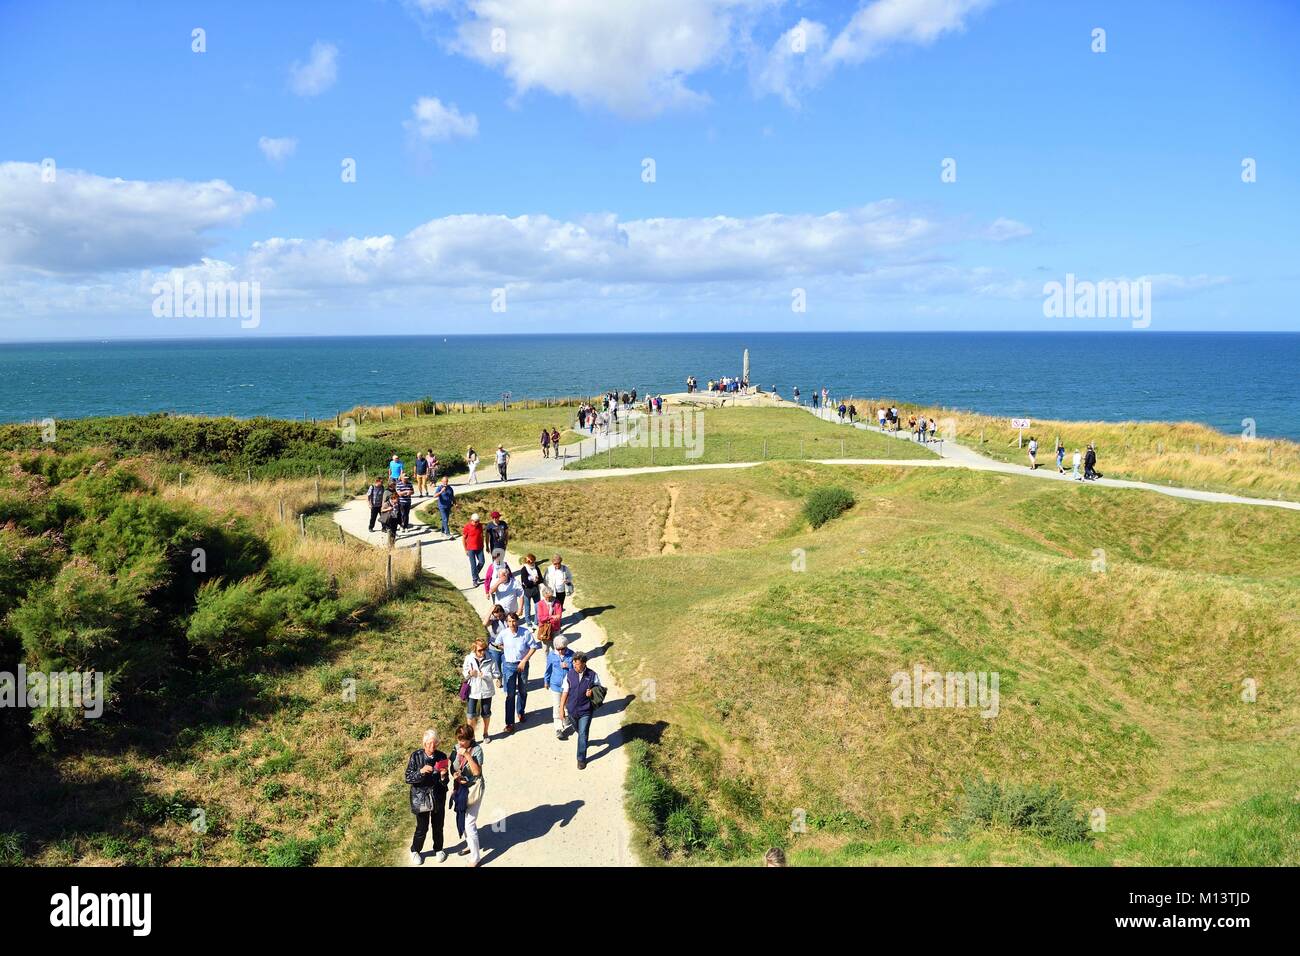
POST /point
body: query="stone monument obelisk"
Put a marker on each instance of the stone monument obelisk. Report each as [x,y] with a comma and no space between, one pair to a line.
[744,374]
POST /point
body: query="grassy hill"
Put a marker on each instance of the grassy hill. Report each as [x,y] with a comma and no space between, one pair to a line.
[755,434]
[1121,624]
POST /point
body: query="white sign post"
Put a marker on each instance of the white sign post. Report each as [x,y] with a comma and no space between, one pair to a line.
[1021,424]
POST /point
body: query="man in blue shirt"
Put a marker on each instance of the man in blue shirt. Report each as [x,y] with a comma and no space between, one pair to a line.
[445,498]
[395,468]
[518,645]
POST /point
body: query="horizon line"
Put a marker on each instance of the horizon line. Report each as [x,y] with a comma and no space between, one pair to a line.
[603,334]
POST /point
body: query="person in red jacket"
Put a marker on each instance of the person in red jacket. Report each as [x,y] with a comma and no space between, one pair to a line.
[472,537]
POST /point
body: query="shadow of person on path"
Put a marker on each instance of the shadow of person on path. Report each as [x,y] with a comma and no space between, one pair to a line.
[624,732]
[497,835]
[583,613]
[599,651]
[651,733]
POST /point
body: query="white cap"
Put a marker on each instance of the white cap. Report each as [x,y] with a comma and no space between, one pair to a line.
[474,516]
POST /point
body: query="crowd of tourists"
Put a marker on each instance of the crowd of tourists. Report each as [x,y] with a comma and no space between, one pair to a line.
[525,628]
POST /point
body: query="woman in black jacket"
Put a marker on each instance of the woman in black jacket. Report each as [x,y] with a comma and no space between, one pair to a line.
[427,773]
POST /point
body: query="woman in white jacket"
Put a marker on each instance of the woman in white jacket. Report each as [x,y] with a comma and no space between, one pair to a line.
[482,677]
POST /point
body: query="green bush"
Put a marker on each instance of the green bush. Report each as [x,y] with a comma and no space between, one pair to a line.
[1042,811]
[826,503]
[89,620]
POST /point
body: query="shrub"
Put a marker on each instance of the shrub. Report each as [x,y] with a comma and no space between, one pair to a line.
[89,620]
[1042,811]
[823,504]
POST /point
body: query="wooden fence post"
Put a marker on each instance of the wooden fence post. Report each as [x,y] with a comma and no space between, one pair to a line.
[302,524]
[388,579]
[282,510]
[342,540]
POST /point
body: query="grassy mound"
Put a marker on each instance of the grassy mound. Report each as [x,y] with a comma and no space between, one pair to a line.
[1121,675]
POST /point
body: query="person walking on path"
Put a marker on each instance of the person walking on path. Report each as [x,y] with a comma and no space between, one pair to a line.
[546,443]
[395,468]
[375,497]
[505,590]
[559,661]
[482,676]
[427,772]
[555,441]
[1060,456]
[530,579]
[559,579]
[503,461]
[405,490]
[421,475]
[549,611]
[471,536]
[1033,453]
[431,463]
[1090,472]
[445,497]
[577,702]
[471,461]
[498,535]
[493,625]
[390,514]
[1077,459]
[518,645]
[467,789]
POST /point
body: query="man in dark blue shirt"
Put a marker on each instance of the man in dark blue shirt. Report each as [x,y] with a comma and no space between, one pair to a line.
[576,702]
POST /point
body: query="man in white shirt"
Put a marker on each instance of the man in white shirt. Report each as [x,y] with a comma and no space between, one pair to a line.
[506,590]
[503,459]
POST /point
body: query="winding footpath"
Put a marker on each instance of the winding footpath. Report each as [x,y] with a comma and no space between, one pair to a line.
[538,808]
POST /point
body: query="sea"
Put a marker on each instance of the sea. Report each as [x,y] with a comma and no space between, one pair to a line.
[1219,379]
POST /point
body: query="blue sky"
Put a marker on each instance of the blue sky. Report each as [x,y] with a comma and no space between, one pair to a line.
[796,146]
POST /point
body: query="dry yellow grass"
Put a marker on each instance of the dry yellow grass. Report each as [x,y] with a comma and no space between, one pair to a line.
[360,569]
[1185,454]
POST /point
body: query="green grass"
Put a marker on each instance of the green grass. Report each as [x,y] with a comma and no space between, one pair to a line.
[756,434]
[1120,682]
[450,434]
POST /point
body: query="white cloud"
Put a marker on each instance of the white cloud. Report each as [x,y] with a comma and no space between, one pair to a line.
[319,72]
[794,62]
[887,22]
[872,30]
[431,120]
[277,150]
[87,223]
[632,58]
[1002,229]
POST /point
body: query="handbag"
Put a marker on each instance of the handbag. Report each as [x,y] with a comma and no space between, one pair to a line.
[464,691]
